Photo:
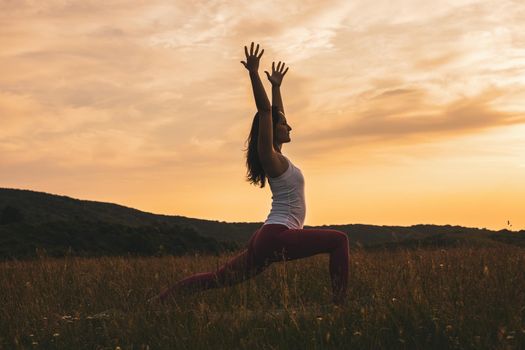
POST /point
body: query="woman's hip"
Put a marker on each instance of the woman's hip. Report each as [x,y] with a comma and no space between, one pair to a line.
[264,243]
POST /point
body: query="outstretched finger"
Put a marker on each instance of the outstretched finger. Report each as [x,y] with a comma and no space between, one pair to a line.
[251,49]
[282,68]
[285,71]
[246,51]
[244,64]
[279,66]
[256,50]
[260,55]
[273,67]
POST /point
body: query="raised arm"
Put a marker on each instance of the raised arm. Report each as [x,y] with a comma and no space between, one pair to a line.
[265,137]
[276,79]
[252,65]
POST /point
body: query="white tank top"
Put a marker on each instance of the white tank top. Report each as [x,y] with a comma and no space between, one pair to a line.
[288,203]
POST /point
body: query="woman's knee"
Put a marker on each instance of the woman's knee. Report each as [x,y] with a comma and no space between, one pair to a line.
[342,238]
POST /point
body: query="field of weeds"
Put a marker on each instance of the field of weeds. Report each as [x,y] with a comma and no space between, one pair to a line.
[458,298]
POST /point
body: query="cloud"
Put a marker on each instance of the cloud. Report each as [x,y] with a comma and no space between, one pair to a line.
[408,116]
[156,87]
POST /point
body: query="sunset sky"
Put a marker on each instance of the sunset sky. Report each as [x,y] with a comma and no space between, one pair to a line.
[402,112]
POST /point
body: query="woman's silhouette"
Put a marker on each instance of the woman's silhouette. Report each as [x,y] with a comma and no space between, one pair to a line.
[282,236]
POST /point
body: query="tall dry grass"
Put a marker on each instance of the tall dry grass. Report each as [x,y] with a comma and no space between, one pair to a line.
[461,298]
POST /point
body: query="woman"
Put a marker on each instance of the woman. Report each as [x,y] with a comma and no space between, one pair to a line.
[282,236]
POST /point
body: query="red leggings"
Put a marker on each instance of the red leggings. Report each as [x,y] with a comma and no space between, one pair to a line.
[272,243]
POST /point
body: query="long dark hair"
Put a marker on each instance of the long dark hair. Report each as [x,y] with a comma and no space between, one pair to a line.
[255,173]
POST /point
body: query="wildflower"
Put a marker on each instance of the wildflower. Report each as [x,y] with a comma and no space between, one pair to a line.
[394,300]
[35,343]
[441,265]
[357,333]
[56,334]
[448,328]
[319,318]
[486,270]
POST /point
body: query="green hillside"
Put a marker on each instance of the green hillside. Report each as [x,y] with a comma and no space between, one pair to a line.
[40,207]
[31,221]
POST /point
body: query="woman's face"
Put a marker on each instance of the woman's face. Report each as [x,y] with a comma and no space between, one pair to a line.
[282,130]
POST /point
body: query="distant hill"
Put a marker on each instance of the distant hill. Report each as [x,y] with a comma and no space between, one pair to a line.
[40,207]
[30,221]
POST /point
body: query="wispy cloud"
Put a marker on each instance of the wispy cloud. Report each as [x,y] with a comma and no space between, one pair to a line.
[401,113]
[157,87]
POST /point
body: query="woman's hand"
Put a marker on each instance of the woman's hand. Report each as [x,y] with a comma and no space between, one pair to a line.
[252,59]
[277,75]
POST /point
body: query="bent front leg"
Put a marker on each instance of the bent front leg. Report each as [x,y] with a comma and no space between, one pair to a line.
[302,243]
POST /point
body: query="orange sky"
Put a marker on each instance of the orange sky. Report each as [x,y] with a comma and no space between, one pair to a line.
[403,112]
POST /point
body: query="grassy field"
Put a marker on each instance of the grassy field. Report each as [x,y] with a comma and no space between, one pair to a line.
[458,298]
